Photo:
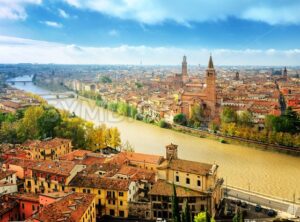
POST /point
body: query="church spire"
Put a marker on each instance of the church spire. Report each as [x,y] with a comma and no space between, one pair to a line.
[210,63]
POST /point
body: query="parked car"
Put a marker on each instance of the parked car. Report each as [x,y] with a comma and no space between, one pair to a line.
[244,204]
[258,208]
[271,213]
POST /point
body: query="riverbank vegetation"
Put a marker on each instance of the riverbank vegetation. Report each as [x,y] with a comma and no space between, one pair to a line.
[40,122]
[280,130]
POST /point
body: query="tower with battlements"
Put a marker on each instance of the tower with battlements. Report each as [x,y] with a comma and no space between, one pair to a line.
[184,70]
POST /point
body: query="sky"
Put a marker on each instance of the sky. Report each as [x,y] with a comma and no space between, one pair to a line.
[235,32]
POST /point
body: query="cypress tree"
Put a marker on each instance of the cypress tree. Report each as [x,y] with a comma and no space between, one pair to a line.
[175,206]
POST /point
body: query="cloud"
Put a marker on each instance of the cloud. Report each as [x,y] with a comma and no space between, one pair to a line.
[12,50]
[52,24]
[63,13]
[113,33]
[15,9]
[156,11]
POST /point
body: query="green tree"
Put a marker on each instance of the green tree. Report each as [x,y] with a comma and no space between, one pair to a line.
[197,115]
[48,121]
[228,115]
[186,215]
[245,119]
[72,128]
[30,122]
[203,217]
[180,119]
[175,206]
[105,79]
[238,217]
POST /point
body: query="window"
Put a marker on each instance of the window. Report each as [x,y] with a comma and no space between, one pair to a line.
[73,189]
[84,190]
[88,190]
[22,205]
[121,194]
[198,183]
[33,208]
[99,192]
[121,203]
[111,212]
[187,180]
[121,213]
[177,178]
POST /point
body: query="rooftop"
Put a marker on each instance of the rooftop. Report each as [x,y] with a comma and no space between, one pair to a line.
[187,166]
[95,181]
[70,208]
[163,188]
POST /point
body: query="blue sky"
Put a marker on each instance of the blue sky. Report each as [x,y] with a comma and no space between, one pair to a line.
[237,32]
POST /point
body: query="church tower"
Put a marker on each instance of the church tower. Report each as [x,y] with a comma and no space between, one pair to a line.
[211,92]
[184,70]
[284,73]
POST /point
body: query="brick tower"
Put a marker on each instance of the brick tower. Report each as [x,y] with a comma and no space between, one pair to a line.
[211,93]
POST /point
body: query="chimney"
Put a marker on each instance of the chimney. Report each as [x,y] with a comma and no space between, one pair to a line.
[171,152]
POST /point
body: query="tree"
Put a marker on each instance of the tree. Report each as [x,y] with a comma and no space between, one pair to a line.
[96,138]
[48,121]
[197,115]
[30,122]
[203,217]
[73,128]
[186,215]
[228,115]
[238,217]
[8,132]
[105,79]
[245,119]
[180,119]
[114,137]
[175,206]
[163,124]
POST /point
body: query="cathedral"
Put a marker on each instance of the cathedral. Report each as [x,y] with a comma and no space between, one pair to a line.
[203,94]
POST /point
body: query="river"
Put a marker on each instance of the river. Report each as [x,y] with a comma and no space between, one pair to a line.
[252,169]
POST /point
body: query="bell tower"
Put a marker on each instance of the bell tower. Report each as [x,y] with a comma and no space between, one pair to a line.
[211,93]
[184,70]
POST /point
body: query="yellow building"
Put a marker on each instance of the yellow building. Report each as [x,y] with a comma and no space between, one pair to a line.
[197,182]
[51,176]
[74,207]
[112,195]
[48,149]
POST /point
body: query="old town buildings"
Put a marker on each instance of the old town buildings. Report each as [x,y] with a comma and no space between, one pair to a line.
[163,93]
[85,185]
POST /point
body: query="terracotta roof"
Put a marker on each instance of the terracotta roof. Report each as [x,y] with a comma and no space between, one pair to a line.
[46,144]
[95,181]
[136,174]
[26,196]
[6,173]
[163,188]
[187,166]
[24,163]
[76,154]
[7,205]
[55,167]
[138,157]
[68,209]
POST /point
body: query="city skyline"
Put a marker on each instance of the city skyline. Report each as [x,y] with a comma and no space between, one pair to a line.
[128,32]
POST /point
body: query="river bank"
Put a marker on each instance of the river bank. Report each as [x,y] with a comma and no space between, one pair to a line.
[294,151]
